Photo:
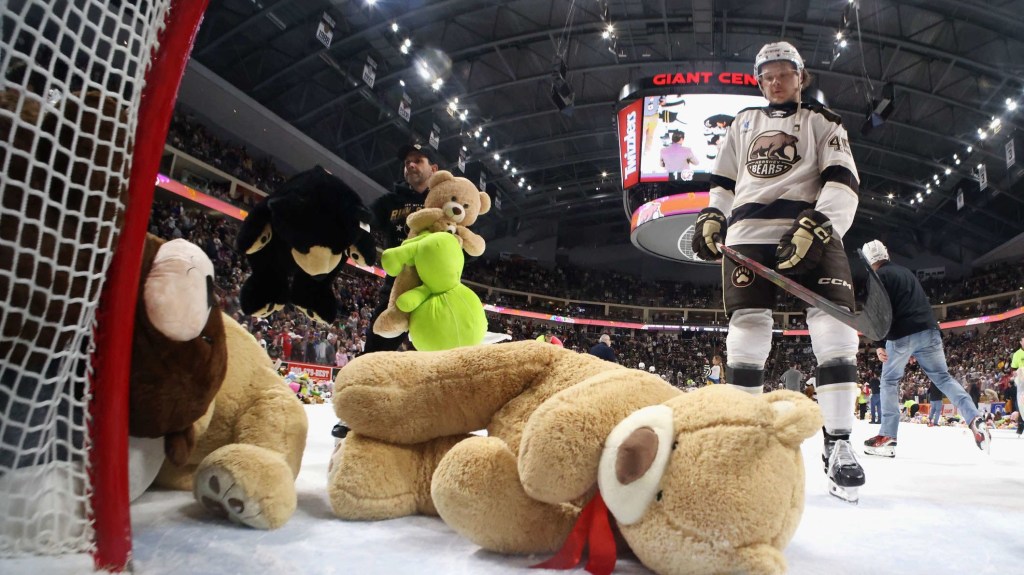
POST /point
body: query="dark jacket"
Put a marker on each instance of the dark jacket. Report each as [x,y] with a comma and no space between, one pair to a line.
[911,312]
[391,210]
[934,393]
[603,351]
[874,384]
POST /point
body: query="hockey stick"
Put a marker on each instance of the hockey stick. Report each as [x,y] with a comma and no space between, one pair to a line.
[873,321]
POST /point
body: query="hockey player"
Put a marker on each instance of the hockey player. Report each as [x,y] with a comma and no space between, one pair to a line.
[787,180]
[914,332]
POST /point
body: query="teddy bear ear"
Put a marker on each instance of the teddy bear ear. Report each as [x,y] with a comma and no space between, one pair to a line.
[438,178]
[796,416]
[633,461]
[485,203]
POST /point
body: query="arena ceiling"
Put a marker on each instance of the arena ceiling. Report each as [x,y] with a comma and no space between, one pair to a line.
[952,65]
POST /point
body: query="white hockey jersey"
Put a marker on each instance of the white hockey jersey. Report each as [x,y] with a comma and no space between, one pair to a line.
[778,161]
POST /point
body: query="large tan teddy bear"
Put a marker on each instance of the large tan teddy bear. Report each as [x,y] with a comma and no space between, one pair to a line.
[222,422]
[452,205]
[697,483]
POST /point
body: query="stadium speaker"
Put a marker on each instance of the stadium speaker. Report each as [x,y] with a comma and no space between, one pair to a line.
[880,109]
[562,95]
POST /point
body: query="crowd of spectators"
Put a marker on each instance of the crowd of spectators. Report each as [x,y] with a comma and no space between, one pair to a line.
[682,357]
[192,137]
[978,360]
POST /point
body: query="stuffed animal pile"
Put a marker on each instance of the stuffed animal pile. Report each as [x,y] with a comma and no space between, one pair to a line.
[698,483]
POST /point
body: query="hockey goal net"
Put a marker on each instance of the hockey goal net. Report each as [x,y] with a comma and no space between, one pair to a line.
[85,99]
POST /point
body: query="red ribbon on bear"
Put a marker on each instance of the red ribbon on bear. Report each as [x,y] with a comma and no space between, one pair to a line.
[592,525]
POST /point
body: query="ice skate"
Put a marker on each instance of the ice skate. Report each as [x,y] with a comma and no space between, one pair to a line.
[880,445]
[845,475]
[982,436]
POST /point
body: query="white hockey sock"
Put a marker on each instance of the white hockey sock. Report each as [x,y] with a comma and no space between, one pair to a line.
[837,398]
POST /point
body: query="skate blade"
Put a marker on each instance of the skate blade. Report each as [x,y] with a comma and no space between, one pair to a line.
[847,494]
[890,452]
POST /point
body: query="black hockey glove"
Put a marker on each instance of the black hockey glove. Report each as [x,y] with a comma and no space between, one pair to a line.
[709,230]
[801,247]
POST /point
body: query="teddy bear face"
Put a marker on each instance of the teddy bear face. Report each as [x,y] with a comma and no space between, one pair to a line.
[179,354]
[458,198]
[713,501]
[721,478]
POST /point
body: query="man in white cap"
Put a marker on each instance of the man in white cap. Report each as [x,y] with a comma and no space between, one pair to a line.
[914,332]
[785,186]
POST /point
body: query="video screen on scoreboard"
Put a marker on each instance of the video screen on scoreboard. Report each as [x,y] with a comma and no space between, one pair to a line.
[682,133]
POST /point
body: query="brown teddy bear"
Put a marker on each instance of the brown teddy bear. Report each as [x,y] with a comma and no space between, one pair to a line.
[233,432]
[452,205]
[704,482]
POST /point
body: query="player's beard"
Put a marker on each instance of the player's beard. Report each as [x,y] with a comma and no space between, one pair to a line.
[415,178]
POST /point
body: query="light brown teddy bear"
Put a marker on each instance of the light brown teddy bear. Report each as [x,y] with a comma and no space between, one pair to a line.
[222,421]
[249,444]
[452,205]
[700,483]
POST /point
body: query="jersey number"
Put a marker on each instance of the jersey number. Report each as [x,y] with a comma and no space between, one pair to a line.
[839,144]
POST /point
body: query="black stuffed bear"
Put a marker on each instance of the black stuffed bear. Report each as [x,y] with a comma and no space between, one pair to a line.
[296,242]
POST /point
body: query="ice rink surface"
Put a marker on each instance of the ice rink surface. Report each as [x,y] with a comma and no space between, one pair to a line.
[941,506]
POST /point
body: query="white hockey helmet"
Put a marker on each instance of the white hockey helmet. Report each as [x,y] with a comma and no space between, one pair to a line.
[641,365]
[651,369]
[775,51]
[875,251]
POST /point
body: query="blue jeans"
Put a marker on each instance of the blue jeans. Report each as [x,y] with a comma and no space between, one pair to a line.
[926,347]
[876,406]
[935,411]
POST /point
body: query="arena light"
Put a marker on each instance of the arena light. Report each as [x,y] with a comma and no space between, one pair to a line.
[1011,104]
[948,171]
[394,26]
[496,156]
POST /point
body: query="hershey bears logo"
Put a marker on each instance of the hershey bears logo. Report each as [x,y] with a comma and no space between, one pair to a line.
[742,276]
[772,154]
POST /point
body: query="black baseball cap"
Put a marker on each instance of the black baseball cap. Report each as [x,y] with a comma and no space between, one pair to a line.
[426,151]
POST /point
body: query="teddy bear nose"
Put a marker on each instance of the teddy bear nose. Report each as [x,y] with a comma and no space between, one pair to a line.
[457,211]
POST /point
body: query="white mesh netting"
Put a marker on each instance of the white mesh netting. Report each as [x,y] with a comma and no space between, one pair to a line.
[72,74]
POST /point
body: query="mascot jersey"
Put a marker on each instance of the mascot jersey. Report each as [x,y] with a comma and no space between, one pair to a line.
[774,163]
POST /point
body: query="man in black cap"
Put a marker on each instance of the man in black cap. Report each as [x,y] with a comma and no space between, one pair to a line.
[390,211]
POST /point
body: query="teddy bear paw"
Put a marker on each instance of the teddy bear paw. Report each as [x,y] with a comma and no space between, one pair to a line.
[219,492]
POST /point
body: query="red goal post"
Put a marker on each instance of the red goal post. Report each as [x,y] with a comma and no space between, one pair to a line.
[87,91]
